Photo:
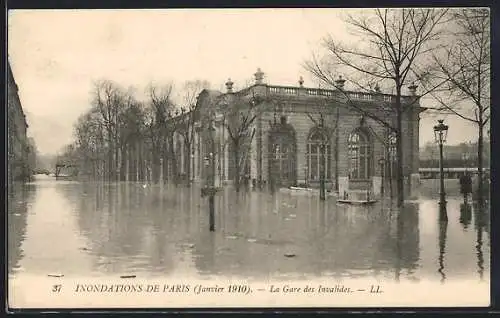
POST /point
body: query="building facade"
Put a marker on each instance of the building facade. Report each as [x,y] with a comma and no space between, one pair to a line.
[18,144]
[287,131]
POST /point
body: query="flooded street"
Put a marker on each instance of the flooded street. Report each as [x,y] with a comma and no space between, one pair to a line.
[108,230]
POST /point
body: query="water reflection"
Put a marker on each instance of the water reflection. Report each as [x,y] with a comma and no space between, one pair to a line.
[162,230]
[284,235]
[443,227]
[465,215]
[481,222]
[18,202]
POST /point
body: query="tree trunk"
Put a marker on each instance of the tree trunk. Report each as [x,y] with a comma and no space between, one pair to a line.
[399,146]
[173,160]
[390,166]
[117,163]
[237,175]
[136,162]
[187,161]
[109,175]
[480,146]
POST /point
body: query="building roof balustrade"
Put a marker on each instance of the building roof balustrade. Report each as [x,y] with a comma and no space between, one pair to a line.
[358,96]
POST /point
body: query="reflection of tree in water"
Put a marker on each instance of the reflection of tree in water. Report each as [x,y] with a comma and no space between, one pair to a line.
[409,236]
[481,223]
[18,203]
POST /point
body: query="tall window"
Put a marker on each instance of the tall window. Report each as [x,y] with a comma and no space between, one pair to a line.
[313,156]
[282,154]
[360,165]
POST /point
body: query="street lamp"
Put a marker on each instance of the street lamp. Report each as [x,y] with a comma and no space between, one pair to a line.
[381,162]
[440,132]
[210,189]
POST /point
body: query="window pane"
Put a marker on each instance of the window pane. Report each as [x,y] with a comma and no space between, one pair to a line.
[314,148]
[362,170]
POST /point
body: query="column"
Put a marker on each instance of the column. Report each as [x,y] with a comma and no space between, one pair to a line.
[415,175]
[345,125]
[376,185]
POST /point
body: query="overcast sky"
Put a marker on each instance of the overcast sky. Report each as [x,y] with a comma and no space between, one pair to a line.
[56,56]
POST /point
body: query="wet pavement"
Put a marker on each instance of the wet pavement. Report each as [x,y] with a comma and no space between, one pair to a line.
[95,229]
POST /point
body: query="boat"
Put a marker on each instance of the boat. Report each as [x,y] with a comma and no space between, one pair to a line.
[356,202]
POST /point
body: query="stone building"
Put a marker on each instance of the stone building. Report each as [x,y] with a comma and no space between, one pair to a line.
[18,143]
[290,129]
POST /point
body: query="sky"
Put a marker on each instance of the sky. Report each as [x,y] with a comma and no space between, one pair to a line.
[57,55]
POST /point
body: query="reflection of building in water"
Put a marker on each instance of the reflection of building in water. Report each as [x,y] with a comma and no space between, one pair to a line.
[332,240]
[285,146]
[18,202]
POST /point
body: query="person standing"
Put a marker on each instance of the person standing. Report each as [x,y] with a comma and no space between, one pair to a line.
[466,185]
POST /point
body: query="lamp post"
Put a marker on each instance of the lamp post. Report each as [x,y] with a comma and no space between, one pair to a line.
[209,188]
[381,162]
[440,133]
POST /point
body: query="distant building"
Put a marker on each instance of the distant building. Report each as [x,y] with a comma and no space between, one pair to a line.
[18,144]
[285,147]
[455,156]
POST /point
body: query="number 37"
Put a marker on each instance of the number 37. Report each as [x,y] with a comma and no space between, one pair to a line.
[56,288]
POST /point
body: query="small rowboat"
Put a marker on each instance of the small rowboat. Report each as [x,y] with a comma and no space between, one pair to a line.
[357,202]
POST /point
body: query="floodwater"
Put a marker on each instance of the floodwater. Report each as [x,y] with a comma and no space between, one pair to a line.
[102,230]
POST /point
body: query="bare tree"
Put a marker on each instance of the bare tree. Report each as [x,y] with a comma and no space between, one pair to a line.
[160,128]
[465,64]
[395,42]
[186,122]
[239,115]
[88,140]
[131,134]
[108,100]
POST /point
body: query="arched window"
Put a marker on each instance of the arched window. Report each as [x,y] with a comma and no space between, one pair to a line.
[360,161]
[313,156]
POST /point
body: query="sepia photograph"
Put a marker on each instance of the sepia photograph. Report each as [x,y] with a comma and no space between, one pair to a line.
[248,158]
